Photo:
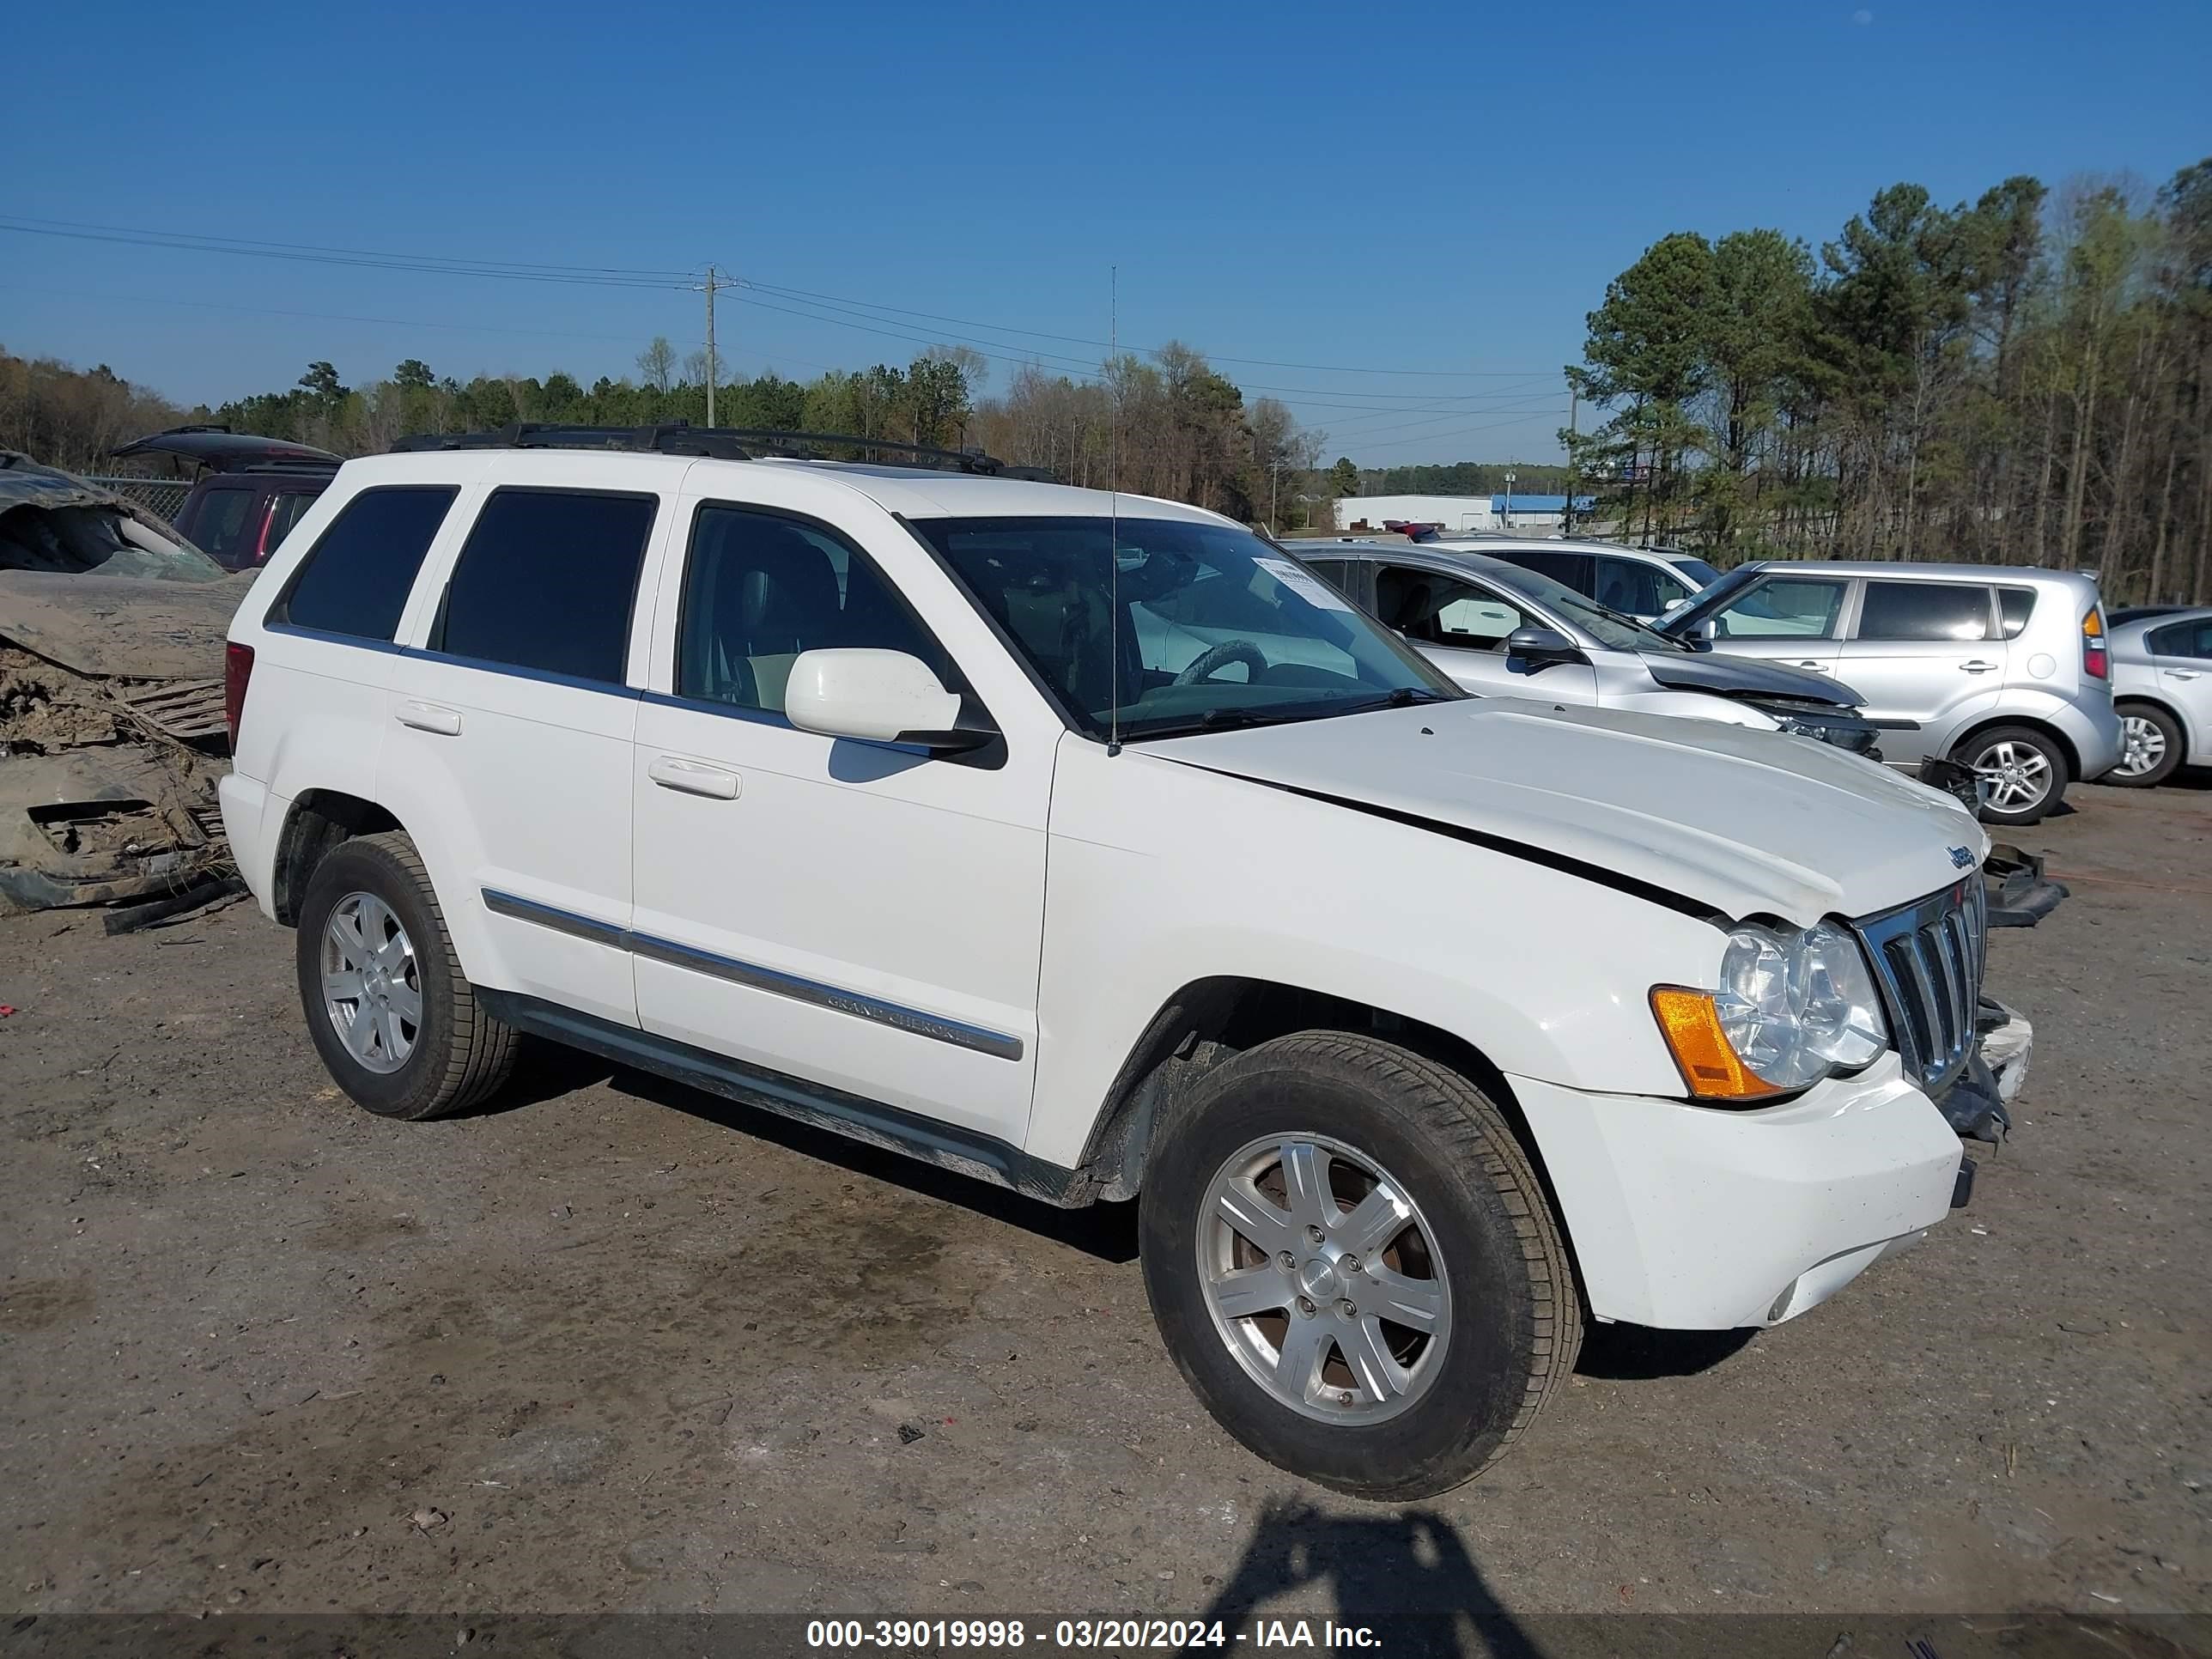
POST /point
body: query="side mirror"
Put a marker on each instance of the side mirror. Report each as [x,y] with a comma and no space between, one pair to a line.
[879,697]
[1540,648]
[1673,606]
[1699,636]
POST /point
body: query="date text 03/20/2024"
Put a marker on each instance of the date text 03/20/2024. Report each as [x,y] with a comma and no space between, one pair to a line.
[1166,1634]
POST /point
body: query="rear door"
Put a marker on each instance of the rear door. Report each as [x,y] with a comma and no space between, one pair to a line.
[1796,620]
[1638,587]
[1461,626]
[510,729]
[1929,652]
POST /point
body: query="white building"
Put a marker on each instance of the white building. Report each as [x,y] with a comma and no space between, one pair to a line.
[1458,514]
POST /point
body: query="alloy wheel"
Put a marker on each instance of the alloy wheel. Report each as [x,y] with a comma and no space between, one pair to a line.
[2018,775]
[372,984]
[1323,1279]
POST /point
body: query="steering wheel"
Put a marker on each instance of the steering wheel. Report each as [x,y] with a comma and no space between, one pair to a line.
[1220,656]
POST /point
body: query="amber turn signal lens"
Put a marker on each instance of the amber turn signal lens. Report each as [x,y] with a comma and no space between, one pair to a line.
[1691,1026]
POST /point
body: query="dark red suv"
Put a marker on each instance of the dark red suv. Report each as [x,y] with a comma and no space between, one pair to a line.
[249,490]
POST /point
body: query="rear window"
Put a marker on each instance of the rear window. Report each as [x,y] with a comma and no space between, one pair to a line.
[356,580]
[1924,610]
[546,582]
[223,524]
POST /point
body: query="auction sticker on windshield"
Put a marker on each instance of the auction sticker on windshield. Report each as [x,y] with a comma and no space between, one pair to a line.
[1307,586]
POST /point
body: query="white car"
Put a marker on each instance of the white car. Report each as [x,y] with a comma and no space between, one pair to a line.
[1423,1027]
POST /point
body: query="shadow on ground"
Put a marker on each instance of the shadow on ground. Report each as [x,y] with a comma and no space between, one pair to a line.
[1408,1577]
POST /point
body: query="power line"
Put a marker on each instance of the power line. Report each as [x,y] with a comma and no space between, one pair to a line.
[315,316]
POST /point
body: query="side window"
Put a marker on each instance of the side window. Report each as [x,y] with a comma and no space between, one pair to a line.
[1636,589]
[546,580]
[1924,610]
[1573,570]
[1337,572]
[758,590]
[2185,639]
[1784,608]
[2018,605]
[285,510]
[1438,611]
[356,580]
[223,526]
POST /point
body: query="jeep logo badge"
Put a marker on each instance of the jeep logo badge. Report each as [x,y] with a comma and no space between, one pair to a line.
[1962,859]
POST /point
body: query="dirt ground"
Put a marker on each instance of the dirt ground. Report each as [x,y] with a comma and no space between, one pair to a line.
[618,1346]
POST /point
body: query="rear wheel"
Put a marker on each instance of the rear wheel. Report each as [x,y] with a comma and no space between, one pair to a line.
[1353,1265]
[2024,771]
[393,1019]
[2151,746]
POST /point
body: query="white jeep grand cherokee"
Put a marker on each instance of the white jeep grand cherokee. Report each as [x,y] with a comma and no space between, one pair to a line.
[1094,847]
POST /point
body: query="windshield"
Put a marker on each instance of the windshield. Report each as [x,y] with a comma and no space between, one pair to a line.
[1215,628]
[1610,629]
[1707,600]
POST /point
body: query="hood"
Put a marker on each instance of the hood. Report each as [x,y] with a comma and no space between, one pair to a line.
[124,627]
[1724,676]
[224,450]
[1741,821]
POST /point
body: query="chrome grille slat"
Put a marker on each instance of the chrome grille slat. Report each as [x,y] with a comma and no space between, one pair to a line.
[1928,957]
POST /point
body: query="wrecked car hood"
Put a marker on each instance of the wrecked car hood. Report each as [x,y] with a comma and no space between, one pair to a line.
[121,626]
[1725,676]
[1748,823]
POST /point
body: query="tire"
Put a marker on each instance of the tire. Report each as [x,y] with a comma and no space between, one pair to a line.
[2025,756]
[2155,744]
[1480,1246]
[451,1054]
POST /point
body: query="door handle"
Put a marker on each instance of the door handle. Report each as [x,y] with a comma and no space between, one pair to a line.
[693,777]
[2182,673]
[1818,668]
[1977,666]
[431,717]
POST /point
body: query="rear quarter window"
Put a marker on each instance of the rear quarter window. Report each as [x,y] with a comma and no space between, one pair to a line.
[546,581]
[2017,605]
[356,579]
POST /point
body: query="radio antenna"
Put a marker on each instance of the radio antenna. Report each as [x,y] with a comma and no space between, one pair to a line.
[1114,509]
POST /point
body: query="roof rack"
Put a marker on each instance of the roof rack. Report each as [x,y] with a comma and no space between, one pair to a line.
[726,443]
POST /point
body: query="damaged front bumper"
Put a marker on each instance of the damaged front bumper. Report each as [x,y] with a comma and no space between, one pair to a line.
[1975,1104]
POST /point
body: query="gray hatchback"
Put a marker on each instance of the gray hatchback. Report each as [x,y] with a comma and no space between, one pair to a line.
[2004,669]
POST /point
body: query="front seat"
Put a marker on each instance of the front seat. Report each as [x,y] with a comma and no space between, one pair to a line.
[775,595]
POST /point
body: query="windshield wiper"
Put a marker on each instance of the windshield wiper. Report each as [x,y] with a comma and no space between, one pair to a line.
[1237,719]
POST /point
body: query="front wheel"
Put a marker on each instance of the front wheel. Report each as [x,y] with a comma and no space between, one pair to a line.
[2023,770]
[1352,1263]
[2151,747]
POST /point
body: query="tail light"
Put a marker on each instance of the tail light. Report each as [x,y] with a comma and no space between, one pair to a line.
[2096,661]
[237,669]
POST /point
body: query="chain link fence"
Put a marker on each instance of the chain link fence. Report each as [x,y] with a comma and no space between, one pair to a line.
[160,496]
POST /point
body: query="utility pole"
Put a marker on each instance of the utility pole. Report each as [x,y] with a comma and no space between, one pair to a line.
[1274,481]
[1574,406]
[714,371]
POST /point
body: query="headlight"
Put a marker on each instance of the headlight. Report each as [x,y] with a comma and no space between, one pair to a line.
[1791,1009]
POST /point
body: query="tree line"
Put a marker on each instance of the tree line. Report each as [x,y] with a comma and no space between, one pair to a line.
[1170,426]
[2023,379]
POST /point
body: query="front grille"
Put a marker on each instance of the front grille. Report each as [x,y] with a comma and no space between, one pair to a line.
[1928,956]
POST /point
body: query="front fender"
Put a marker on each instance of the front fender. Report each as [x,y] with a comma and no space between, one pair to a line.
[1547,973]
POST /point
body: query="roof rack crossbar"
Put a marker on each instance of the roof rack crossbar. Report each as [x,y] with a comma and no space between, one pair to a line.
[715,442]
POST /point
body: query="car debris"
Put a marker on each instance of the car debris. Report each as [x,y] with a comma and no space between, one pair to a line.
[111,697]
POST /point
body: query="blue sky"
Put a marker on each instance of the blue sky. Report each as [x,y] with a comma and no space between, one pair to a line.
[1443,189]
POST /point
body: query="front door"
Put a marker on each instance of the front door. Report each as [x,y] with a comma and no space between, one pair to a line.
[859,915]
[1926,653]
[1795,620]
[1461,626]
